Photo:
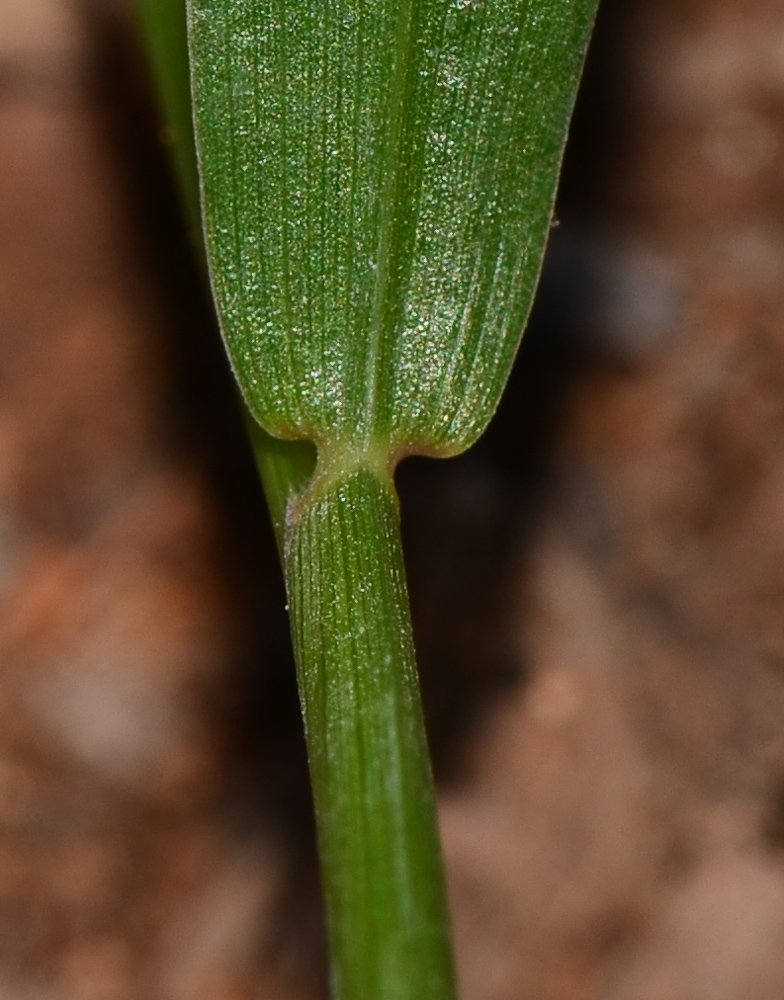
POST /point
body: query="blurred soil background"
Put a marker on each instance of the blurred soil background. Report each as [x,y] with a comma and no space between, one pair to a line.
[598,586]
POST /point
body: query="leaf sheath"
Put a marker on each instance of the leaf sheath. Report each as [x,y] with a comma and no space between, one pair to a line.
[373,791]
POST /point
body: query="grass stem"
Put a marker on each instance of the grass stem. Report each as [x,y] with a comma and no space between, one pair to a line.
[373,790]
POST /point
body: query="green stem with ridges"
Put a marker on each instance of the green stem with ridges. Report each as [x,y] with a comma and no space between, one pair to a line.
[370,769]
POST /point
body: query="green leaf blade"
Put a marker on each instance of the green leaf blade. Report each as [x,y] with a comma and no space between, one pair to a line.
[392,167]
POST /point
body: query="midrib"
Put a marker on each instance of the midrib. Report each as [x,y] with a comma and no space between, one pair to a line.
[391,171]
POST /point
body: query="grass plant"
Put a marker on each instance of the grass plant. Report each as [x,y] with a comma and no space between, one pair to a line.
[375,187]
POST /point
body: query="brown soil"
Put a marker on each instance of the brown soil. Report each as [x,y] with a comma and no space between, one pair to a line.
[598,586]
